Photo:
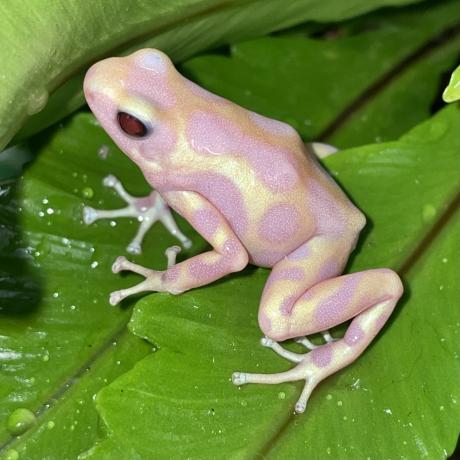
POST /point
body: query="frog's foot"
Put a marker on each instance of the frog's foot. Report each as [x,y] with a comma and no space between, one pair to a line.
[89,215]
[153,278]
[312,367]
[134,248]
[147,210]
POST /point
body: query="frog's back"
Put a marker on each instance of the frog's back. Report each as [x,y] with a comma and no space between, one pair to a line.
[258,173]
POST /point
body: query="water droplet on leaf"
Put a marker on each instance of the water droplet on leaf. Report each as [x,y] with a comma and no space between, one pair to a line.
[20,421]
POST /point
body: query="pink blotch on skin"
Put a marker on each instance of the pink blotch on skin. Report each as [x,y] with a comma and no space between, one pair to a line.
[328,214]
[209,272]
[331,310]
[263,157]
[200,270]
[329,269]
[301,253]
[161,142]
[222,193]
[153,86]
[144,203]
[171,275]
[209,133]
[206,222]
[231,248]
[354,334]
[287,304]
[266,258]
[279,224]
[321,356]
[212,134]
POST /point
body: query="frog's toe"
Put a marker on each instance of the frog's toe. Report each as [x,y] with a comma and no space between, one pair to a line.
[300,407]
[328,337]
[239,378]
[89,215]
[118,265]
[305,343]
[116,297]
[187,244]
[134,248]
[266,342]
[110,180]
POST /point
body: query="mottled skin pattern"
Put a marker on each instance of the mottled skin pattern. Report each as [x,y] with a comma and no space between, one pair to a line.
[252,190]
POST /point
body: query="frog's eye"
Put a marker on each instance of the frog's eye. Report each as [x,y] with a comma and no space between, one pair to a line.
[132,125]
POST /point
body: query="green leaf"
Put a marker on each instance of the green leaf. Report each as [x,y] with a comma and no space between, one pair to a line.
[54,45]
[376,78]
[180,403]
[60,341]
[452,92]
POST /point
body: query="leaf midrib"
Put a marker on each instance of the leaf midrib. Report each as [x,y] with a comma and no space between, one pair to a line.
[422,52]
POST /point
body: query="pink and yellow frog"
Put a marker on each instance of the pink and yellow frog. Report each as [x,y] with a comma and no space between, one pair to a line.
[251,188]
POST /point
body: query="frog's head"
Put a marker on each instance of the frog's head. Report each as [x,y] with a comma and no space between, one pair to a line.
[133,98]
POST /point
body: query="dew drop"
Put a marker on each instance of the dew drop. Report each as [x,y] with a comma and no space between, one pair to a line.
[103,152]
[20,420]
[428,213]
[50,425]
[281,395]
[87,192]
[339,403]
[94,264]
[113,223]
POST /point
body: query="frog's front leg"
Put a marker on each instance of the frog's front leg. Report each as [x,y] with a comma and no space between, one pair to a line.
[228,254]
[147,210]
[305,295]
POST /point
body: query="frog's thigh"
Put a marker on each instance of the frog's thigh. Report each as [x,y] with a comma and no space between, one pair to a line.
[293,306]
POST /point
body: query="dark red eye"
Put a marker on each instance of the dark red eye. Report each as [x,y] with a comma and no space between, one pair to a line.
[131,125]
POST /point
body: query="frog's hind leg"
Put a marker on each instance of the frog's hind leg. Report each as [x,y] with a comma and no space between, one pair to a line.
[303,296]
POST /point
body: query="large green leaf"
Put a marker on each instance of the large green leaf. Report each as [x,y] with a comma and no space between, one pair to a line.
[60,357]
[375,80]
[57,328]
[401,399]
[47,46]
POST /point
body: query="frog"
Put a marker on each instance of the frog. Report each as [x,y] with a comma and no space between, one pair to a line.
[253,190]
